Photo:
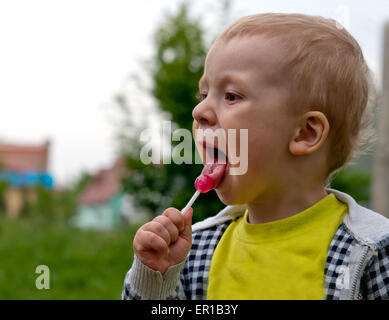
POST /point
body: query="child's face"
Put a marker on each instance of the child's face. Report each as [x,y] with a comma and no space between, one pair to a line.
[242,88]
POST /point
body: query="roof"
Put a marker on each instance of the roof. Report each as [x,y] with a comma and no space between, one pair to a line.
[104,185]
[24,158]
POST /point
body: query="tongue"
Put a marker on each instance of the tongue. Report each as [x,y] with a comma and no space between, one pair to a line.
[210,176]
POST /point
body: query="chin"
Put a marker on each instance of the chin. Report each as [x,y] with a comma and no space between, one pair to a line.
[229,198]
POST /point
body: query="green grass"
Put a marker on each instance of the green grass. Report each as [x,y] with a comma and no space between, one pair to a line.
[83,264]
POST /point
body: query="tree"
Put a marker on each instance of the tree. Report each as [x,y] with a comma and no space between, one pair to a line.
[176,69]
[180,53]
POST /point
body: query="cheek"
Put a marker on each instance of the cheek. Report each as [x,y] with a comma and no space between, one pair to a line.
[239,190]
[263,158]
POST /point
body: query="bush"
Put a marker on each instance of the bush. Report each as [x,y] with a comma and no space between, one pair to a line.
[354,180]
[82,264]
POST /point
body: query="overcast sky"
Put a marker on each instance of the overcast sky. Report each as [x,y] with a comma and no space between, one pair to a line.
[62,61]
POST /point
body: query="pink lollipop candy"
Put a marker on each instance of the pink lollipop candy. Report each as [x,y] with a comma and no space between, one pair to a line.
[210,176]
[208,180]
[204,183]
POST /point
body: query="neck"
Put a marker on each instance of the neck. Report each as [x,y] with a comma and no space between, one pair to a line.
[283,204]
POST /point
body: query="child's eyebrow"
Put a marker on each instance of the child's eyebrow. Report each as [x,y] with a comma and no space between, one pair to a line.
[225,78]
[231,78]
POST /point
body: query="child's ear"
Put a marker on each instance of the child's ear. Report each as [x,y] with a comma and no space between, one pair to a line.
[311,134]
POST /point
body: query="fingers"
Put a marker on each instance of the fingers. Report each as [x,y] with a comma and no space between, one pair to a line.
[188,217]
[150,240]
[164,241]
[163,227]
[176,217]
[187,232]
[166,226]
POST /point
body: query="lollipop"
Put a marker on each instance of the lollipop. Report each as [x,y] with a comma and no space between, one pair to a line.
[209,178]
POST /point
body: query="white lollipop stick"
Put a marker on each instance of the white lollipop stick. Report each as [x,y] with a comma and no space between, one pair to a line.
[189,204]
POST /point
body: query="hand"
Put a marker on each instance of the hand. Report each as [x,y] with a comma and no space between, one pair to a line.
[164,241]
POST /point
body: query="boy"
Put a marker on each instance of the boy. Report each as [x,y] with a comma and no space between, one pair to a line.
[299,84]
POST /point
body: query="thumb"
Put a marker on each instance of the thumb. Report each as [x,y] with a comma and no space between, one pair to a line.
[187,232]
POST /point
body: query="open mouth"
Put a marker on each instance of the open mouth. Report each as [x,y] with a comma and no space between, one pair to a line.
[213,155]
[215,164]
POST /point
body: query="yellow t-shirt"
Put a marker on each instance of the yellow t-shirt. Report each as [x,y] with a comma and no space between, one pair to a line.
[283,259]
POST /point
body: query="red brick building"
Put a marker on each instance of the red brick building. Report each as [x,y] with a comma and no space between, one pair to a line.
[22,167]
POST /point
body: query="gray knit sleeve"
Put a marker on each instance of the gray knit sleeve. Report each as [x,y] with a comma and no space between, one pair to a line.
[143,283]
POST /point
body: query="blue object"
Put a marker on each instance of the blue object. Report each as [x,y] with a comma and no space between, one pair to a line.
[27,179]
[47,180]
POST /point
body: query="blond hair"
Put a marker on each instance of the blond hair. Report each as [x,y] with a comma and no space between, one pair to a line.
[326,71]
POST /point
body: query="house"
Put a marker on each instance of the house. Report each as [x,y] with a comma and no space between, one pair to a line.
[22,168]
[103,205]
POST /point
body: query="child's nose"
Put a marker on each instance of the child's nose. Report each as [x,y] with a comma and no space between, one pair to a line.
[204,114]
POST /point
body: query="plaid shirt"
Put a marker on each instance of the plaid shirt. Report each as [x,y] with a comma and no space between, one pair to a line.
[344,277]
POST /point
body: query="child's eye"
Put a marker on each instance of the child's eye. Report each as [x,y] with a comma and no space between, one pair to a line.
[231,97]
